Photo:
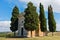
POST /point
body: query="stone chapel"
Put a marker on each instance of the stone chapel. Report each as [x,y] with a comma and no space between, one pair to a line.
[23,32]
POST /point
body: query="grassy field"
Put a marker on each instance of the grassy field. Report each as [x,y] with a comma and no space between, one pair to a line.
[36,38]
[49,37]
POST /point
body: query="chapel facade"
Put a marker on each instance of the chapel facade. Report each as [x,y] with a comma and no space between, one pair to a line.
[23,32]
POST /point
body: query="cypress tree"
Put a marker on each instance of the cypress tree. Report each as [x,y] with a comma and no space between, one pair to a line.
[31,18]
[42,19]
[14,20]
[51,20]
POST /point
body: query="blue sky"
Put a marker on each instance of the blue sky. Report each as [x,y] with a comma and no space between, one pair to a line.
[6,7]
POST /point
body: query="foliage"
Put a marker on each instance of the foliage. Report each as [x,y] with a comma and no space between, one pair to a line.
[42,19]
[31,17]
[14,19]
[51,20]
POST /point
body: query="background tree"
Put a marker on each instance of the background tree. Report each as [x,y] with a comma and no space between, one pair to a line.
[14,20]
[31,18]
[42,19]
[51,20]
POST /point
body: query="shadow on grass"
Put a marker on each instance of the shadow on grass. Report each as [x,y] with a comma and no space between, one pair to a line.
[16,37]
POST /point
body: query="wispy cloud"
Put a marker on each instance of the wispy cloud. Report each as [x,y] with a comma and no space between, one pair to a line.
[55,4]
[4,23]
[4,26]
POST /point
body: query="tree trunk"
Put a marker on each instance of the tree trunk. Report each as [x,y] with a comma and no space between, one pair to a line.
[52,34]
[46,34]
[31,33]
[14,34]
[43,33]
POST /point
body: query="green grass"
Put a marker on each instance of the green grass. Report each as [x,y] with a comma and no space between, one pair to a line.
[4,34]
[2,38]
[49,37]
[36,38]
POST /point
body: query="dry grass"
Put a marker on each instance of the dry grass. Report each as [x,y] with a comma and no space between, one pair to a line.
[49,37]
[36,38]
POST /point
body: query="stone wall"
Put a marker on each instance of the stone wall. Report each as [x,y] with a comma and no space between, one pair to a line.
[39,32]
[29,34]
[35,33]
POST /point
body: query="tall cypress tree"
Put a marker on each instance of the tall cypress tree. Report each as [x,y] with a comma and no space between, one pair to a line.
[14,20]
[51,20]
[31,18]
[42,19]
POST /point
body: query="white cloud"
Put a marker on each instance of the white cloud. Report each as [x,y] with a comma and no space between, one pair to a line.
[58,27]
[4,23]
[4,26]
[55,4]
